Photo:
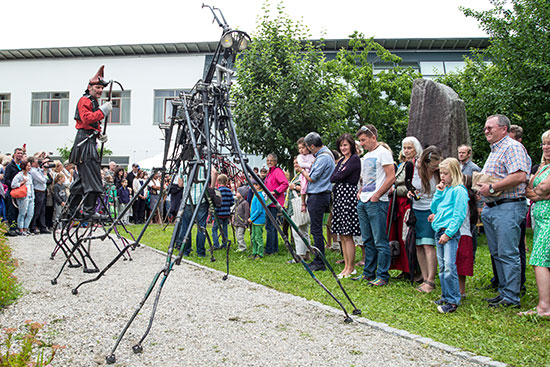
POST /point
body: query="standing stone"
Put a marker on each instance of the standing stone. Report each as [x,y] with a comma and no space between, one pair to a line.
[437,117]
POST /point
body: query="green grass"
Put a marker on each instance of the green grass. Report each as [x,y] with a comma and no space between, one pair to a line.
[9,288]
[499,334]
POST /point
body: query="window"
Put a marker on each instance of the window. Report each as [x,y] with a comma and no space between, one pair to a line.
[432,68]
[163,104]
[121,107]
[50,108]
[4,109]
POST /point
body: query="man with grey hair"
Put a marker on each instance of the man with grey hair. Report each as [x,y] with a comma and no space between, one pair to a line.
[319,189]
[503,213]
[465,158]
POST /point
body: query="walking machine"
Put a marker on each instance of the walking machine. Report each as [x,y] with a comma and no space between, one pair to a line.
[199,137]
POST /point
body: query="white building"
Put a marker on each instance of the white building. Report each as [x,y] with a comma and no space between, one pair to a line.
[39,88]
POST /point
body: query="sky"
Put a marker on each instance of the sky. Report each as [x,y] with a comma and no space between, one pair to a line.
[61,23]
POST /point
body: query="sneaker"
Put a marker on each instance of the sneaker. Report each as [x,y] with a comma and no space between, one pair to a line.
[251,257]
[378,282]
[362,277]
[317,267]
[241,250]
[504,303]
[447,308]
[440,302]
[258,257]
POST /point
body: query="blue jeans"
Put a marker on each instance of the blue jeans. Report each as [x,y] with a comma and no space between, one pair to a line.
[223,222]
[502,228]
[202,215]
[26,212]
[372,220]
[272,239]
[448,275]
[317,205]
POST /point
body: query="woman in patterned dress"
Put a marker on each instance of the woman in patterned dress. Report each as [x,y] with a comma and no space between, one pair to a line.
[345,220]
[539,192]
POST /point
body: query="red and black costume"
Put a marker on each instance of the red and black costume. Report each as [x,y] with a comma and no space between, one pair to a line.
[84,152]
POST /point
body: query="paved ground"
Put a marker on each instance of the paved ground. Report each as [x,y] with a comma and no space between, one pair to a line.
[201,320]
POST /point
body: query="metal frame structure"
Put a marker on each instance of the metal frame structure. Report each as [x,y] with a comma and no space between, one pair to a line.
[200,136]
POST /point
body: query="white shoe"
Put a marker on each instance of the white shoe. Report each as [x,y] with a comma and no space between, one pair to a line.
[353,272]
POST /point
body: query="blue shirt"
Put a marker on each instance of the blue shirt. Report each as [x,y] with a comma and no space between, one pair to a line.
[450,207]
[257,212]
[321,171]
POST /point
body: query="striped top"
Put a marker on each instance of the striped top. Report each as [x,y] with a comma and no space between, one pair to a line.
[227,202]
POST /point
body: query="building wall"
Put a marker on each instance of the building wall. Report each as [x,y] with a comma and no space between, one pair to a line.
[141,75]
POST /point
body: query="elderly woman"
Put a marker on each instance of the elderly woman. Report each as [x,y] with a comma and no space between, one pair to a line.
[411,150]
[345,220]
[539,192]
[25,204]
[277,183]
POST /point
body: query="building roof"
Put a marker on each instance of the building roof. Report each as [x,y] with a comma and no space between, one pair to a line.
[392,44]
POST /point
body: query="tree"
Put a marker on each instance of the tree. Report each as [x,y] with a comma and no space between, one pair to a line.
[516,82]
[283,90]
[382,98]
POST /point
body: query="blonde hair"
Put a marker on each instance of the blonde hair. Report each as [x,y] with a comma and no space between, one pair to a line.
[453,166]
[222,179]
[545,135]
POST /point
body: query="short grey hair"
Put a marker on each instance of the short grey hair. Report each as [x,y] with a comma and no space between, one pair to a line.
[273,156]
[501,121]
[313,139]
[415,143]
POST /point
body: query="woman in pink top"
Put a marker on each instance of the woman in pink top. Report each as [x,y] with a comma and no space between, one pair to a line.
[277,183]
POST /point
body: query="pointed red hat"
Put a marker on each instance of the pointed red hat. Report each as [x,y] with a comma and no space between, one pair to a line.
[98,78]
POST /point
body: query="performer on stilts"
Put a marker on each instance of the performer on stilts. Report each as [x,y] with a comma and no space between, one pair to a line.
[88,184]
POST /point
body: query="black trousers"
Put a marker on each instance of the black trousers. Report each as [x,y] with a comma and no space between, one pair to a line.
[317,205]
[11,211]
[39,218]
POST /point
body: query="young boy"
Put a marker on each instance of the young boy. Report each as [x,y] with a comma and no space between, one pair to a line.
[123,199]
[257,218]
[223,212]
[242,213]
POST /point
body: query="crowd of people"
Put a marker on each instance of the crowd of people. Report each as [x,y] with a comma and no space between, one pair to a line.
[419,215]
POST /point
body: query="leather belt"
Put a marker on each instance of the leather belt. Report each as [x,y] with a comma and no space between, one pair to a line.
[492,204]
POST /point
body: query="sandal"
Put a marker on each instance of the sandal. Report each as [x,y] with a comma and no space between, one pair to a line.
[422,289]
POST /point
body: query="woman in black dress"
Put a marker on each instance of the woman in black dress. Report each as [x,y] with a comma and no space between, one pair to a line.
[345,221]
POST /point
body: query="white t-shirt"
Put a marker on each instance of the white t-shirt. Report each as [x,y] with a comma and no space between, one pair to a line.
[425,198]
[372,172]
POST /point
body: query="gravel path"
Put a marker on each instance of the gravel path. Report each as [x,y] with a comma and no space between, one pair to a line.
[201,320]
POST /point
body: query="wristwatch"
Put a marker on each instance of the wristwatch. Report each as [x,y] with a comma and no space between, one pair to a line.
[491,190]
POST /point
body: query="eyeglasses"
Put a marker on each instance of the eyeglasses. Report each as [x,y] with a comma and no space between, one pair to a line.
[365,128]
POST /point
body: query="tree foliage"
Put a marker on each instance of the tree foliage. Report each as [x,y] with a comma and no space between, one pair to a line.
[516,82]
[382,98]
[283,90]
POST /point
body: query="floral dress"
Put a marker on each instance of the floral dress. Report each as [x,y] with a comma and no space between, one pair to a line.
[540,256]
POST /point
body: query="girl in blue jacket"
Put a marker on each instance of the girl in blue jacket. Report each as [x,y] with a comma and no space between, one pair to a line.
[257,219]
[449,207]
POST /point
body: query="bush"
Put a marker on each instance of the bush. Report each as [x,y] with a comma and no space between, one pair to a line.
[9,288]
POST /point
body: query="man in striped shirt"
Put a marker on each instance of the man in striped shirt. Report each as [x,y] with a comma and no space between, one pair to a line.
[223,212]
[503,214]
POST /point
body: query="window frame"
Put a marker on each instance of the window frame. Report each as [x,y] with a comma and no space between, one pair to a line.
[5,110]
[38,101]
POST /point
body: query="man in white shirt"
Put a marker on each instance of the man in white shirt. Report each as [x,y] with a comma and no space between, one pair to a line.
[377,176]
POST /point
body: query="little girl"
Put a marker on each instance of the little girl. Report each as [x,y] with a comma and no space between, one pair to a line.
[59,195]
[465,253]
[449,205]
[305,161]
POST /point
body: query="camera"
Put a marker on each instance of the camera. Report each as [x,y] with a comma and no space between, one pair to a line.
[46,163]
